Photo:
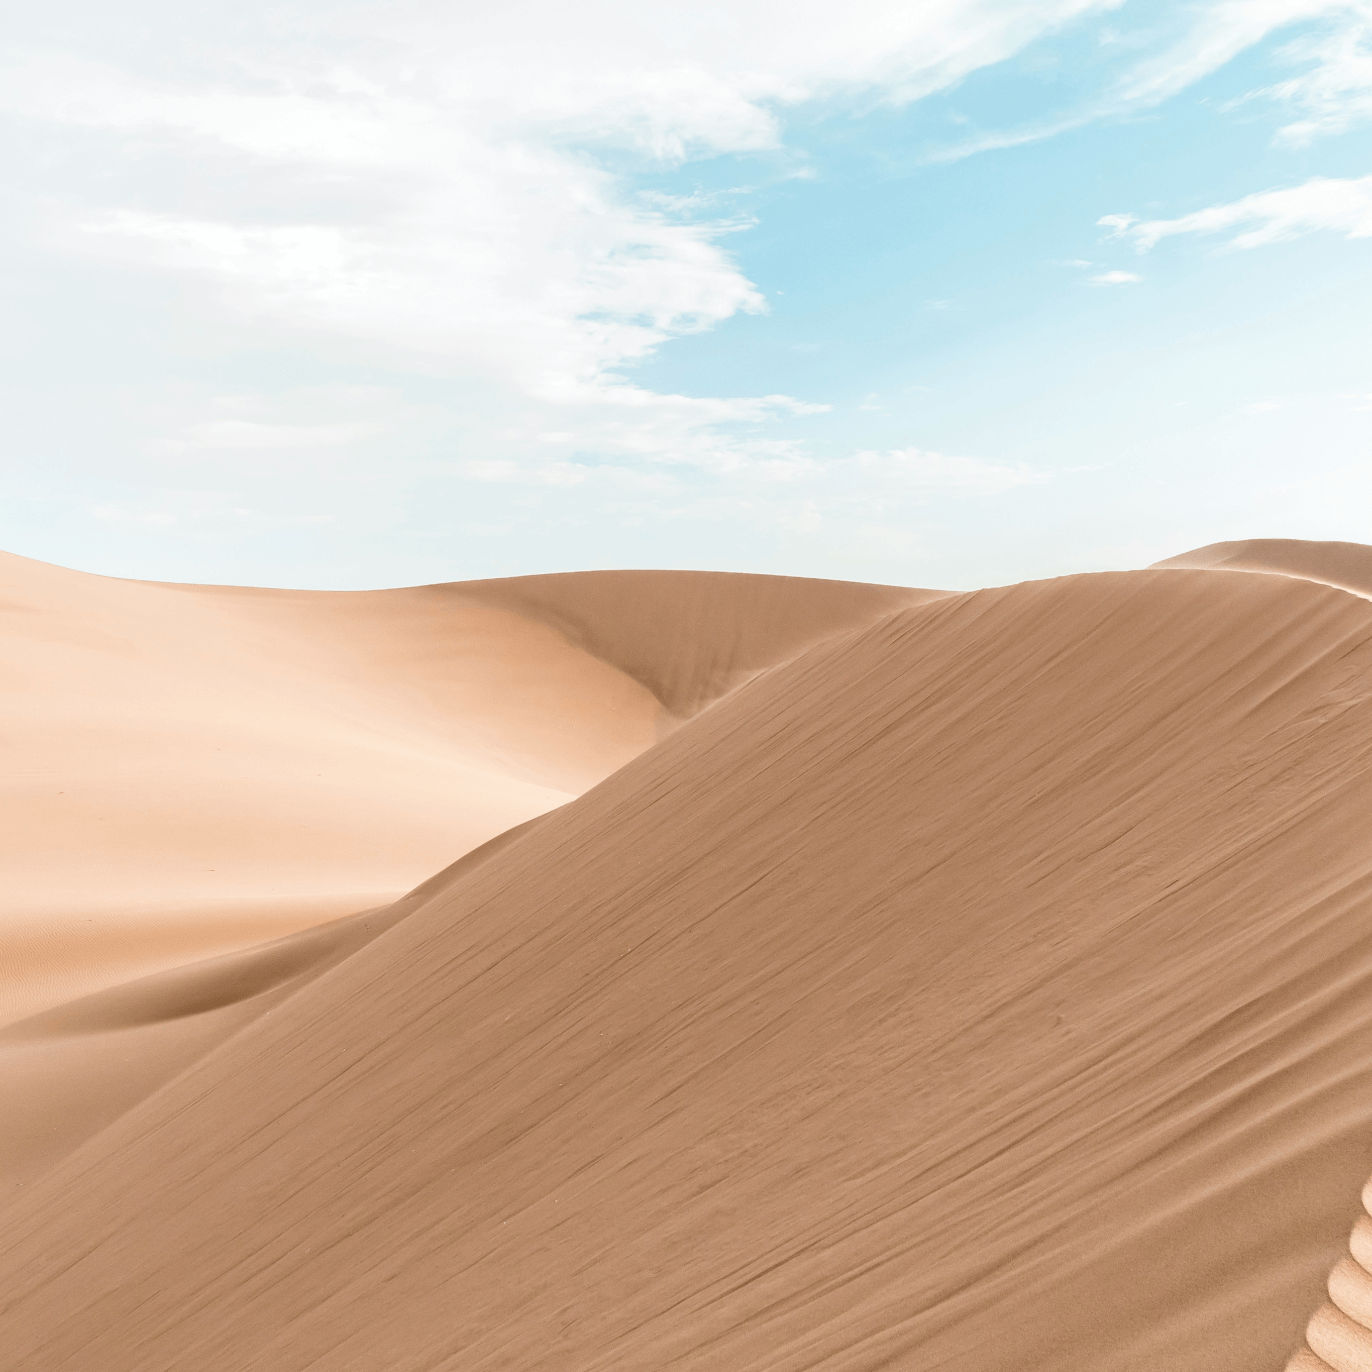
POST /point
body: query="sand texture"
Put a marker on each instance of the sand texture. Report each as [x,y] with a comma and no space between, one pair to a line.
[979,981]
[1346,565]
[193,770]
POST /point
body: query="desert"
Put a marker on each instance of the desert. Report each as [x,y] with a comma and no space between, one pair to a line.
[686,687]
[692,970]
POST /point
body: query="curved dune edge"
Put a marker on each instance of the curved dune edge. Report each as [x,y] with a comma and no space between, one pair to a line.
[193,770]
[986,988]
[681,639]
[691,637]
[1345,566]
[68,1072]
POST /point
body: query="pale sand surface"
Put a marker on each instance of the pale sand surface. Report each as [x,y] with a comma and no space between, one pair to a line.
[986,987]
[194,770]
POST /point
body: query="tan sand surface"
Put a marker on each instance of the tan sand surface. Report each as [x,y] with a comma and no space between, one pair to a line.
[1346,565]
[193,769]
[986,987]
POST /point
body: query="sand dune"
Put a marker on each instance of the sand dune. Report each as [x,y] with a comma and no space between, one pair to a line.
[985,986]
[194,769]
[1346,565]
[191,770]
[67,1072]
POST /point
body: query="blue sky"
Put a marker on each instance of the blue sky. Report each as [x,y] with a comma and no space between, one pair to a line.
[338,296]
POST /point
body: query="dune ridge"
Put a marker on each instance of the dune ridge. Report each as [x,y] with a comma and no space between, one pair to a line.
[1347,566]
[195,769]
[68,1071]
[690,637]
[984,986]
[200,769]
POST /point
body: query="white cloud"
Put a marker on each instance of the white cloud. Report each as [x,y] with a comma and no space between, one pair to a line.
[1219,33]
[1344,206]
[1115,279]
[928,471]
[166,509]
[450,204]
[243,434]
[123,512]
[1117,223]
[1336,93]
[803,519]
[1186,43]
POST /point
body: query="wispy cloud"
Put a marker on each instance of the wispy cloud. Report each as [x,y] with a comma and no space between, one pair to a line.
[167,509]
[1322,203]
[915,468]
[243,434]
[1218,33]
[442,190]
[1335,94]
[1171,52]
[1115,279]
[494,240]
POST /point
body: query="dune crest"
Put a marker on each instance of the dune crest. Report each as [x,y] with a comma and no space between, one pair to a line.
[690,637]
[205,783]
[68,1071]
[195,769]
[1347,566]
[985,986]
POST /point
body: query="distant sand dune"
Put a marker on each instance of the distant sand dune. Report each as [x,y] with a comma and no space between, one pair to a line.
[193,770]
[67,1072]
[988,986]
[1345,565]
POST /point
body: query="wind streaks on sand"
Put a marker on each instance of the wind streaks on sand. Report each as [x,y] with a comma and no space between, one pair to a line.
[984,986]
[190,770]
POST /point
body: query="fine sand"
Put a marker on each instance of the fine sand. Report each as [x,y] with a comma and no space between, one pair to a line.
[854,978]
[1346,565]
[192,770]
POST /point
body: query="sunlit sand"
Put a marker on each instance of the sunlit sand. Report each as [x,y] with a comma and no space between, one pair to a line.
[635,970]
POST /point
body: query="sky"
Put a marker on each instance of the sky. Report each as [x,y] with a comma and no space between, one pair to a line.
[950,294]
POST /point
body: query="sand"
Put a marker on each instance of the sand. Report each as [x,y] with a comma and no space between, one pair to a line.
[192,770]
[1346,565]
[974,981]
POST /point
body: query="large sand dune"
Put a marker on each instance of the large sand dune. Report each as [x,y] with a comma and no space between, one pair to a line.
[191,770]
[981,981]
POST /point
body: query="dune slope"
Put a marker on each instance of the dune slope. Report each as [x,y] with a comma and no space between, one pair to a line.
[987,987]
[690,637]
[68,1071]
[195,769]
